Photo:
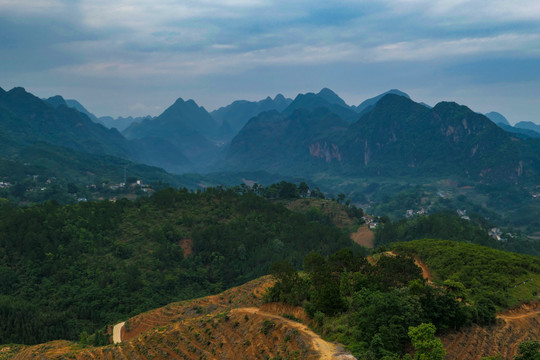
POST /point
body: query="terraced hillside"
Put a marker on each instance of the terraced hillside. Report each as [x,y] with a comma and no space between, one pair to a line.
[512,328]
[232,325]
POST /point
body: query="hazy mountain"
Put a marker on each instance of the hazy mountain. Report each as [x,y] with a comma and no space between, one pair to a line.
[311,102]
[121,123]
[109,122]
[528,125]
[27,119]
[182,116]
[234,116]
[366,105]
[523,129]
[397,137]
[186,127]
[284,143]
[519,132]
[160,152]
[497,118]
[332,97]
[79,107]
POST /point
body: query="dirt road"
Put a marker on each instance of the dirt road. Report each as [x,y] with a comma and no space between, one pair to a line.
[327,351]
[117,332]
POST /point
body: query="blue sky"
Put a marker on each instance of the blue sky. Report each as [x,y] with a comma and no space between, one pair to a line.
[120,57]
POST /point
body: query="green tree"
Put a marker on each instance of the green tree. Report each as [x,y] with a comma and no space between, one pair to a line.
[426,345]
[528,350]
[303,189]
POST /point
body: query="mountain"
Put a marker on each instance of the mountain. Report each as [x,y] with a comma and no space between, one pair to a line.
[179,117]
[522,133]
[27,119]
[397,137]
[281,142]
[187,128]
[528,125]
[497,118]
[523,129]
[237,114]
[366,105]
[332,97]
[121,123]
[311,102]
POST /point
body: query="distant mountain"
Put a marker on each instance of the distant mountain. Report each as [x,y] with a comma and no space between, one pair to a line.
[78,106]
[366,105]
[528,125]
[311,102]
[523,129]
[109,122]
[234,116]
[497,118]
[332,97]
[285,143]
[180,117]
[27,119]
[186,127]
[519,132]
[397,137]
[121,123]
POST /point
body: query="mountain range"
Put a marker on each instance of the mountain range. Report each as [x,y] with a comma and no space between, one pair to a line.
[388,135]
[397,137]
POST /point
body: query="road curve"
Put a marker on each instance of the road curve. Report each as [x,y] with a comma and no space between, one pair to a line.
[117,332]
[326,350]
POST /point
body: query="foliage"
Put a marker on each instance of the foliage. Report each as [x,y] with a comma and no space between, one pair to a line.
[426,345]
[370,307]
[491,277]
[528,350]
[74,268]
[449,227]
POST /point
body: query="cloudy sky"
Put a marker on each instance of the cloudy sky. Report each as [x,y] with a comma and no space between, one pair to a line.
[135,57]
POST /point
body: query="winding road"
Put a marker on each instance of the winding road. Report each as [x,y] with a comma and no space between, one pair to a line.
[327,351]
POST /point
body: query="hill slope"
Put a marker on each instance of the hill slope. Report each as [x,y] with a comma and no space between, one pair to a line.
[69,269]
[27,119]
[397,137]
[232,325]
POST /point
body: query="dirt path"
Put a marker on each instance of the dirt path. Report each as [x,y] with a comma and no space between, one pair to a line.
[117,332]
[522,312]
[327,351]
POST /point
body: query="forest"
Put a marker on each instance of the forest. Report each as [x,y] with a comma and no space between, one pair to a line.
[371,304]
[67,270]
[449,226]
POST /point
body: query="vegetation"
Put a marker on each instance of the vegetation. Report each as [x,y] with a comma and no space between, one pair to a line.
[489,277]
[451,227]
[66,270]
[370,308]
[374,309]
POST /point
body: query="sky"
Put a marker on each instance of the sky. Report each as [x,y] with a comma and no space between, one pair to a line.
[136,57]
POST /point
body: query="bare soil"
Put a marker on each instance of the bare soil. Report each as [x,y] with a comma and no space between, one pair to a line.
[232,325]
[512,327]
[364,237]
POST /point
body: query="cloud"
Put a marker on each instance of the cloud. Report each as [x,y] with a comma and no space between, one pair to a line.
[194,43]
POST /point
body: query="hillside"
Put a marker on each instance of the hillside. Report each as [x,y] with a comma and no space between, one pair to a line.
[27,119]
[510,281]
[241,322]
[397,137]
[185,128]
[233,325]
[69,269]
[237,114]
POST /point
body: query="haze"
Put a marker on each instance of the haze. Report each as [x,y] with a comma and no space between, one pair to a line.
[136,57]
